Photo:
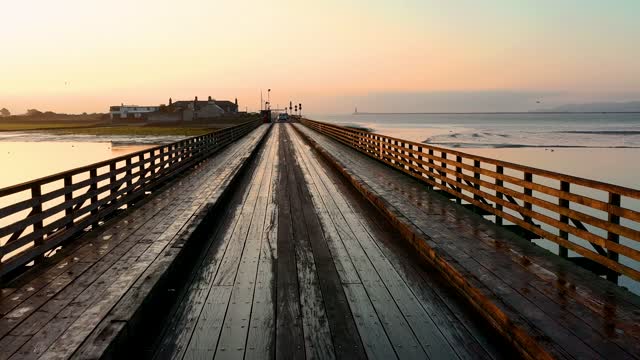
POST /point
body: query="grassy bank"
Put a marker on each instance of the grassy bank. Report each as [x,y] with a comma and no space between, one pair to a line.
[138,131]
[30,126]
[191,128]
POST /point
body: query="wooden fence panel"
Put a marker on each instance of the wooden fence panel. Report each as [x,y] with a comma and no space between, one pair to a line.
[104,187]
[490,185]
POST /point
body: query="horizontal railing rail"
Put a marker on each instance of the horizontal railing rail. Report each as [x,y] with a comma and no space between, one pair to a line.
[585,216]
[39,215]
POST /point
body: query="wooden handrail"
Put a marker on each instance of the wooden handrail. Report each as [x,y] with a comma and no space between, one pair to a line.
[60,206]
[541,202]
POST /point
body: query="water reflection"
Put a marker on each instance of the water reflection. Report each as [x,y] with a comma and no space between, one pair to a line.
[24,161]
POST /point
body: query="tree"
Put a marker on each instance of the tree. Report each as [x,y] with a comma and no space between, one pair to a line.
[34,112]
[5,112]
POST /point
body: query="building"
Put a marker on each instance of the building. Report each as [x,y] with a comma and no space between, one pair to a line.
[195,109]
[228,106]
[185,110]
[131,111]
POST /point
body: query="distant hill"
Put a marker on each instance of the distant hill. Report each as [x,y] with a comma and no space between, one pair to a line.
[632,106]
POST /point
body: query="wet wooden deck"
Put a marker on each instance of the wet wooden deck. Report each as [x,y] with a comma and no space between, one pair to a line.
[303,267]
[78,302]
[290,245]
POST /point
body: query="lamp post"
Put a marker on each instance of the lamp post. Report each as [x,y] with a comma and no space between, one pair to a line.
[269,99]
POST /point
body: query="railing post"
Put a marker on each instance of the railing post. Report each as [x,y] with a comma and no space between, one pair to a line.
[380,144]
[130,180]
[499,170]
[443,182]
[410,157]
[431,168]
[476,175]
[420,159]
[563,203]
[141,168]
[164,159]
[614,200]
[68,197]
[93,173]
[458,178]
[112,179]
[36,192]
[528,177]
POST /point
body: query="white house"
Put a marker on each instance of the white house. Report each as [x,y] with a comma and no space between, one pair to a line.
[131,111]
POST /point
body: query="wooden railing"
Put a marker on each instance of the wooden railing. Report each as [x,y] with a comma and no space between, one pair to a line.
[589,218]
[44,213]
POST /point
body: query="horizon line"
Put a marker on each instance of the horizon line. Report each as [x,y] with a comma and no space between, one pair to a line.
[494,112]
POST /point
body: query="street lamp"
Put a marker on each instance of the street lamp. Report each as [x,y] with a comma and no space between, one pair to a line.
[269,98]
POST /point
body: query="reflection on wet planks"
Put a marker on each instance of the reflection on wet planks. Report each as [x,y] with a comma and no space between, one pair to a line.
[303,267]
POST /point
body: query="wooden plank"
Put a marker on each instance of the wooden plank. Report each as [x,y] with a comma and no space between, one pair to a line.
[207,331]
[233,338]
[289,337]
[189,323]
[188,315]
[317,335]
[320,197]
[345,337]
[261,337]
[376,342]
[395,324]
[425,330]
[520,283]
[51,325]
[560,305]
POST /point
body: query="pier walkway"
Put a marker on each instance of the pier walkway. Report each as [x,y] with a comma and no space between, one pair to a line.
[302,266]
[289,244]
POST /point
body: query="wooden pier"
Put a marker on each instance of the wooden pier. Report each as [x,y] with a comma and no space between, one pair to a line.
[311,240]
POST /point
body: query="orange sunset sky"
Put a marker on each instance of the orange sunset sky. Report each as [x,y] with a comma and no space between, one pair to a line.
[82,56]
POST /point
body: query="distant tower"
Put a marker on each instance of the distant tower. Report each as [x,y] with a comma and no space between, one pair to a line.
[356,110]
[209,98]
[170,102]
[237,109]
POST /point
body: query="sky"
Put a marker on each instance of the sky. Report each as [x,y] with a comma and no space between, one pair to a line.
[380,55]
